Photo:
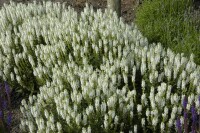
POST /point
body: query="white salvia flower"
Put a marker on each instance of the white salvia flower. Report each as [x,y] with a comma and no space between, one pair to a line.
[175,73]
[125,78]
[174,109]
[12,76]
[131,114]
[89,129]
[143,68]
[143,98]
[135,128]
[182,120]
[106,117]
[156,74]
[111,113]
[111,102]
[78,119]
[198,89]
[160,77]
[79,98]
[173,115]
[97,103]
[85,119]
[126,69]
[165,116]
[91,109]
[134,74]
[22,110]
[116,120]
[18,78]
[147,112]
[166,110]
[168,94]
[155,121]
[162,126]
[188,106]
[41,124]
[30,99]
[105,123]
[153,104]
[183,84]
[170,123]
[139,108]
[51,119]
[53,127]
[197,103]
[84,130]
[183,74]
[143,84]
[46,113]
[176,98]
[180,108]
[59,126]
[154,112]
[31,126]
[192,57]
[191,99]
[23,102]
[92,93]
[151,78]
[114,78]
[143,122]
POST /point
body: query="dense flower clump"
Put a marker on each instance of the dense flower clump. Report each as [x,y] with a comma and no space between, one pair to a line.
[94,73]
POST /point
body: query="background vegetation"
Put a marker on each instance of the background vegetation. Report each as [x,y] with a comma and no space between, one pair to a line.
[174,23]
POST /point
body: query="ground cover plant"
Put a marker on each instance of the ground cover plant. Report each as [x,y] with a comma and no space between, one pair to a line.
[91,72]
[174,23]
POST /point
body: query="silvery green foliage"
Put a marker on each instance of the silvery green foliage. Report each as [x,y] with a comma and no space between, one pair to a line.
[96,74]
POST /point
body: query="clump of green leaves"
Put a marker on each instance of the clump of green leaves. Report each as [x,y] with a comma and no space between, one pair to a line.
[174,23]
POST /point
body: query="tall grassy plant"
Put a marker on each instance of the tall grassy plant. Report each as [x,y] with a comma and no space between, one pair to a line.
[171,22]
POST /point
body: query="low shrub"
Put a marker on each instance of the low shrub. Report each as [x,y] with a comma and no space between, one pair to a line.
[174,23]
[97,74]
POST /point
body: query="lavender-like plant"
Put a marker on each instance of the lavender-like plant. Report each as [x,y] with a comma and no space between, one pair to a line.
[185,114]
[190,121]
[199,118]
[5,106]
[194,118]
[178,125]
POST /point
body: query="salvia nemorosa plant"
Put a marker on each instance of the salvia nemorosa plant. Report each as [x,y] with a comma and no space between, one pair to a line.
[5,108]
[94,73]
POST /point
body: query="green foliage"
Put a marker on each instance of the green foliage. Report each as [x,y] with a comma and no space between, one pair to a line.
[174,23]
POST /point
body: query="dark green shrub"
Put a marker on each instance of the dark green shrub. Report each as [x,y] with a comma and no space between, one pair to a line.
[171,22]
